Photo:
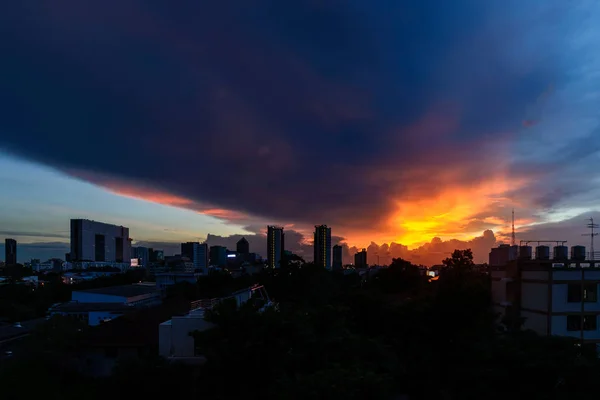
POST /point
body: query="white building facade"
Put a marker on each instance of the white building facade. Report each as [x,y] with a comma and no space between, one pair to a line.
[100,242]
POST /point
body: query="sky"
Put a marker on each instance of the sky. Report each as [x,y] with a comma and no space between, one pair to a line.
[409,127]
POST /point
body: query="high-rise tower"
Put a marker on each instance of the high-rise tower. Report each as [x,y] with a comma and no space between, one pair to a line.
[322,246]
[337,257]
[10,251]
[275,246]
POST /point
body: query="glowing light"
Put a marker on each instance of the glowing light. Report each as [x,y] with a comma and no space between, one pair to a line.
[448,213]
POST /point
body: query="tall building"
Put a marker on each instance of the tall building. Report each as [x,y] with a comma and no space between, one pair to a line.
[242,246]
[142,254]
[322,246]
[97,241]
[198,253]
[360,259]
[156,255]
[10,252]
[218,255]
[337,257]
[275,246]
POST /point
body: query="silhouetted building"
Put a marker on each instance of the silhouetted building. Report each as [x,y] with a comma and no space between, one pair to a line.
[198,253]
[502,254]
[337,257]
[10,252]
[275,246]
[142,254]
[156,255]
[242,246]
[322,246]
[218,256]
[360,259]
[179,263]
[97,241]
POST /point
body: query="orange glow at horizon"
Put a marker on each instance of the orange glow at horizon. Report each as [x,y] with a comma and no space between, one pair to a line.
[451,212]
[447,214]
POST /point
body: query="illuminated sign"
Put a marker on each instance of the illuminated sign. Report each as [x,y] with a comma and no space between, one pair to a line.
[558,265]
[230,255]
[584,265]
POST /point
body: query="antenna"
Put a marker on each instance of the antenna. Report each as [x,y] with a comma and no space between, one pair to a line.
[592,226]
[514,238]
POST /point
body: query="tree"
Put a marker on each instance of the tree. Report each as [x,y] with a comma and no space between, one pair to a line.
[400,277]
[460,261]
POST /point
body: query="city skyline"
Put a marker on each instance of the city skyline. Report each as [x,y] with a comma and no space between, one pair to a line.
[38,236]
[381,140]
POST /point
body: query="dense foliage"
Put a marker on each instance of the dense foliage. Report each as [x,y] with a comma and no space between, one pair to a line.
[336,335]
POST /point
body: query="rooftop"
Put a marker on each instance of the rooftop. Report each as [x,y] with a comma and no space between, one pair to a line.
[124,291]
[90,307]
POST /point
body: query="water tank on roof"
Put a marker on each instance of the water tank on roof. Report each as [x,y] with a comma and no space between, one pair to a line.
[561,252]
[525,252]
[542,253]
[578,253]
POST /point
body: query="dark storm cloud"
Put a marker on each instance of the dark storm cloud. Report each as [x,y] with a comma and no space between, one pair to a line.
[293,110]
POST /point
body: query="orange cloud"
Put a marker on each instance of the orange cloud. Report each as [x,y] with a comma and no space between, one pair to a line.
[148,195]
[224,214]
[447,212]
[154,196]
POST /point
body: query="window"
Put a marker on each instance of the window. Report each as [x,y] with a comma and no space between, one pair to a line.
[574,293]
[590,292]
[574,323]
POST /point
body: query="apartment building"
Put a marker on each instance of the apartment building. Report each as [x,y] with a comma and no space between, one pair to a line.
[553,295]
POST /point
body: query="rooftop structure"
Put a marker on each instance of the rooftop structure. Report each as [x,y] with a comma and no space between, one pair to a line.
[93,313]
[126,294]
[123,291]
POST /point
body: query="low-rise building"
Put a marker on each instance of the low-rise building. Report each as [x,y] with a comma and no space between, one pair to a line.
[92,313]
[551,295]
[175,340]
[134,295]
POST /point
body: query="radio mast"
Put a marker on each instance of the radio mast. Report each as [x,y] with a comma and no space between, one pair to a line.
[513,237]
[592,233]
